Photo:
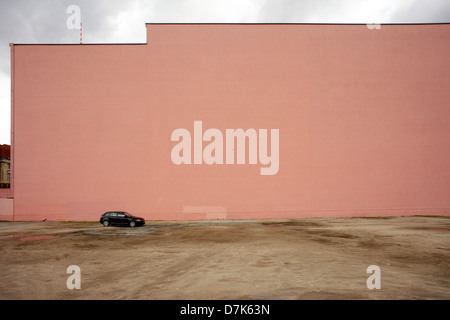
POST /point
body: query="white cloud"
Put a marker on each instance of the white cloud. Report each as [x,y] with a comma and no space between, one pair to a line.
[5,109]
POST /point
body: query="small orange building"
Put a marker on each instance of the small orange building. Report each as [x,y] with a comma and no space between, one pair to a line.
[235,121]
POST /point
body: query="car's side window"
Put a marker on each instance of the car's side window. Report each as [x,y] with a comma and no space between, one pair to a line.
[121,215]
[113,214]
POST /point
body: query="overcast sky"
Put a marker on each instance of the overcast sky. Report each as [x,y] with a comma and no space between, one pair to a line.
[105,21]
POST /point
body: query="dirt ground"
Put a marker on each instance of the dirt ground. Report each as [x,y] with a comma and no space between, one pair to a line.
[228,259]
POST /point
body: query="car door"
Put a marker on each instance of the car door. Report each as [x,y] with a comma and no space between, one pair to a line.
[113,218]
[122,219]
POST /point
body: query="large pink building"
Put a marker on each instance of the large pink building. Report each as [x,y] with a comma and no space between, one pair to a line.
[235,121]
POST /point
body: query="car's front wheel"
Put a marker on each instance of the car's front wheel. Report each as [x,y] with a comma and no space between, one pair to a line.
[132,224]
[105,223]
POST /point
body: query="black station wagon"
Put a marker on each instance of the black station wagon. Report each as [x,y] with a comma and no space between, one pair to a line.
[120,218]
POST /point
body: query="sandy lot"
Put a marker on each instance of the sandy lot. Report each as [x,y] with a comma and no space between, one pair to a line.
[257,259]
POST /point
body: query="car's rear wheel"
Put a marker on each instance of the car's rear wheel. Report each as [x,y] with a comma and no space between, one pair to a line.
[105,223]
[132,224]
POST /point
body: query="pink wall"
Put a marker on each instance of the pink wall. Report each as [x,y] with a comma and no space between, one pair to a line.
[5,193]
[363,120]
[6,209]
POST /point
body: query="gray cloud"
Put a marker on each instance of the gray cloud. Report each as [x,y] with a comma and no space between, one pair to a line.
[430,11]
[44,21]
[349,11]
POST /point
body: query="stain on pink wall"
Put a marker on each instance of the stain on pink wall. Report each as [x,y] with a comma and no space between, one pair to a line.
[6,209]
[363,119]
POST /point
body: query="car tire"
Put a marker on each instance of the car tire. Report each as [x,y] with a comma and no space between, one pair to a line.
[132,224]
[106,223]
